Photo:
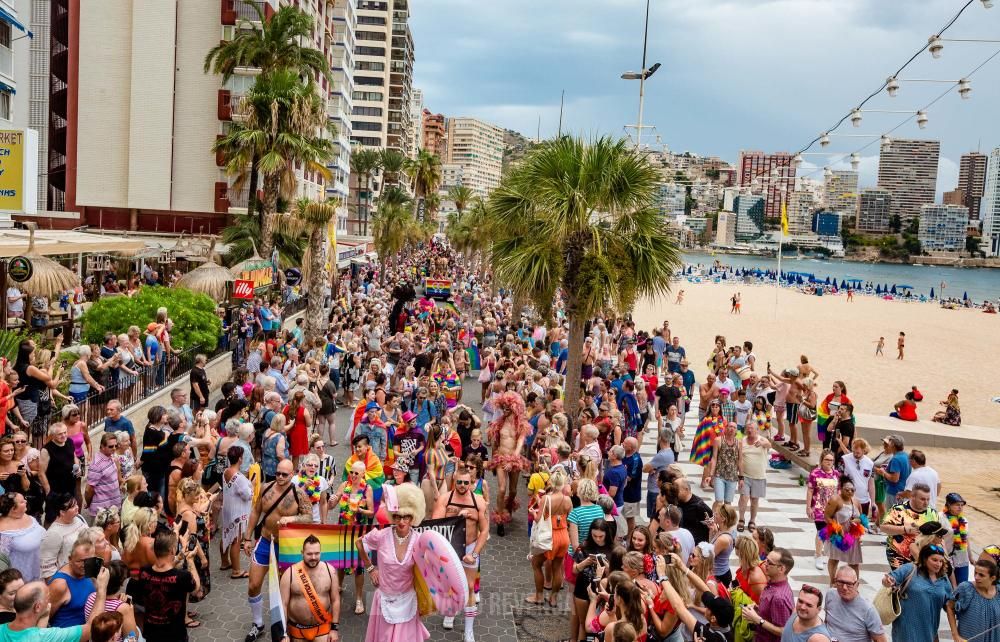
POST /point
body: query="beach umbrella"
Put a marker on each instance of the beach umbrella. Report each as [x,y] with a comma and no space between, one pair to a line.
[893,290]
[48,278]
[965,295]
[724,275]
[208,278]
[932,292]
[878,289]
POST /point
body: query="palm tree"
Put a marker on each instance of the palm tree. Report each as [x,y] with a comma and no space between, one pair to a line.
[284,118]
[315,218]
[394,228]
[425,175]
[394,195]
[392,164]
[242,236]
[365,162]
[432,203]
[272,46]
[461,196]
[596,236]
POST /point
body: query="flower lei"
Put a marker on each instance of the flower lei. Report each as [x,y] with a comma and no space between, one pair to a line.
[311,487]
[960,529]
[843,539]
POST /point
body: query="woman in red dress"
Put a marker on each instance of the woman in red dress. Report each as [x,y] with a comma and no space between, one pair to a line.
[301,421]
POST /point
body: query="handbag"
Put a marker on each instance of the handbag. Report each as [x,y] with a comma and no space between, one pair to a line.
[212,474]
[888,600]
[541,533]
[806,413]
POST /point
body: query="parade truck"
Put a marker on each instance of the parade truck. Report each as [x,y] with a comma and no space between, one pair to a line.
[437,288]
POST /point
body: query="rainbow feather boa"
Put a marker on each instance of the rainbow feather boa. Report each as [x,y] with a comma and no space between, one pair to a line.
[834,533]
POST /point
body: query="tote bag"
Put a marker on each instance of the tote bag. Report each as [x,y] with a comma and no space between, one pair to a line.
[541,533]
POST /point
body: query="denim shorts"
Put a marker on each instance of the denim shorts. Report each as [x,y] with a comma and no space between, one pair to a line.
[725,490]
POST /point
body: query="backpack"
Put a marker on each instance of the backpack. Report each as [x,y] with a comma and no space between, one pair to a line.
[260,426]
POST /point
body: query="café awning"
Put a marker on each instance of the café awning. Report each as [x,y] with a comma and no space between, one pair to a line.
[55,242]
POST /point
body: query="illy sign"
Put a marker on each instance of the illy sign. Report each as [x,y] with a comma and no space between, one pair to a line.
[242,289]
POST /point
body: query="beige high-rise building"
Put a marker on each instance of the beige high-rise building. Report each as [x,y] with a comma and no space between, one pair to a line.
[148,113]
[478,147]
[383,75]
[908,169]
[840,191]
[972,181]
[801,205]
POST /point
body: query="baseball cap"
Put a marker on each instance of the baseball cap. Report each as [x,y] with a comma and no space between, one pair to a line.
[372,405]
[953,498]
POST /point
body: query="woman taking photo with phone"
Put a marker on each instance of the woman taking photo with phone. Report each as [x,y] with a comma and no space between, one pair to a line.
[590,563]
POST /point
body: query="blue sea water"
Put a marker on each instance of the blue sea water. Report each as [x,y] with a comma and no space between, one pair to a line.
[978,283]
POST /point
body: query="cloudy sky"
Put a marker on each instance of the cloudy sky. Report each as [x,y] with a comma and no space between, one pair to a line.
[736,74]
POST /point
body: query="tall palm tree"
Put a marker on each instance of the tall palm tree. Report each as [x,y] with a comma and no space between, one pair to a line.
[284,118]
[394,195]
[275,45]
[432,203]
[242,236]
[393,164]
[394,228]
[596,235]
[461,196]
[315,218]
[425,175]
[365,163]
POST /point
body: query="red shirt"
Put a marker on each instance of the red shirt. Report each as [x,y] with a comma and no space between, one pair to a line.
[907,411]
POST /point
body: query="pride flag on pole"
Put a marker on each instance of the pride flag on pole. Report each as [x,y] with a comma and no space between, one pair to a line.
[338,544]
[277,611]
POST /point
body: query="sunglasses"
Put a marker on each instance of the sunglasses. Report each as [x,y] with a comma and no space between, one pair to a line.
[463,483]
[279,474]
[20,441]
[936,549]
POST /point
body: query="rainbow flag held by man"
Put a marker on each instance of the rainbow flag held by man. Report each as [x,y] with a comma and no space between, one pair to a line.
[277,609]
[338,544]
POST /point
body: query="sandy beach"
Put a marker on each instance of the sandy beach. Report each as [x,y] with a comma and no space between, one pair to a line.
[944,348]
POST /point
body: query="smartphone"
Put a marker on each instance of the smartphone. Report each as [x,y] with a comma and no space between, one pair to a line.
[92,566]
[184,528]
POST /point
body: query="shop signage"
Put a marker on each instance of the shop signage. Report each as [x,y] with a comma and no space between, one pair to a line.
[293,276]
[260,273]
[20,269]
[242,289]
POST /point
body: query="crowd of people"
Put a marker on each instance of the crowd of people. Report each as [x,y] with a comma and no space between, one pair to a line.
[115,535]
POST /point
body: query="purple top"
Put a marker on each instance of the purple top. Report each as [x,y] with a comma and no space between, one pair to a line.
[776,606]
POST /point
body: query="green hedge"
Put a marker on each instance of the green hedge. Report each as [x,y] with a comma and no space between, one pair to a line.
[195,321]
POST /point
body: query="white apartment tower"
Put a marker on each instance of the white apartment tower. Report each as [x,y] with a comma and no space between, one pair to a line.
[478,147]
[908,169]
[942,227]
[840,191]
[990,209]
[416,122]
[383,75]
[340,105]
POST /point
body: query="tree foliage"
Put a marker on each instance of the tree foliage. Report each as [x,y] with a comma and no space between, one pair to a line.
[195,321]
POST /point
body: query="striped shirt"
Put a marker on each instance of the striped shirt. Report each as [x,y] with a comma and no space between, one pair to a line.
[583,517]
[102,476]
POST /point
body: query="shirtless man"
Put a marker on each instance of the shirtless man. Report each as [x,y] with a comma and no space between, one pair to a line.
[310,593]
[796,388]
[462,502]
[506,435]
[706,393]
[280,503]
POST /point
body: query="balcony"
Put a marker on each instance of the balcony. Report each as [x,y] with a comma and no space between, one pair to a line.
[236,11]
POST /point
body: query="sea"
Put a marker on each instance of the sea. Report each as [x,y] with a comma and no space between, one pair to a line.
[978,284]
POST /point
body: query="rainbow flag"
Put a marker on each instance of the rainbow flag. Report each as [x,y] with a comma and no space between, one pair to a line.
[277,609]
[374,474]
[338,544]
[475,361]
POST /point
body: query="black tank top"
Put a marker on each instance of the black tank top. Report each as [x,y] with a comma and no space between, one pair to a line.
[60,468]
[32,386]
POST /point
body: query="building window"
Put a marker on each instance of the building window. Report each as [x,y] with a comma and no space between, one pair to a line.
[5,34]
[369,80]
[371,20]
[369,51]
[369,35]
[367,141]
[5,111]
[367,111]
[366,127]
[368,95]
[369,65]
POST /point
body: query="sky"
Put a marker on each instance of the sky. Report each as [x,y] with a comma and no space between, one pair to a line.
[736,75]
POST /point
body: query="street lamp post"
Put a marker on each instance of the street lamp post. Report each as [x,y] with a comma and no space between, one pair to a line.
[641,76]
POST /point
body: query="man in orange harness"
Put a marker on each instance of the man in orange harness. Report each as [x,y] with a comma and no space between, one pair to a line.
[311,597]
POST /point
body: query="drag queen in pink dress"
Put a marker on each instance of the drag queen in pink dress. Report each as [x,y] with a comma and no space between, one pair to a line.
[393,616]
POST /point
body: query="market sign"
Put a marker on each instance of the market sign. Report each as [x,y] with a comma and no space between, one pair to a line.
[20,269]
[260,273]
[242,289]
[19,171]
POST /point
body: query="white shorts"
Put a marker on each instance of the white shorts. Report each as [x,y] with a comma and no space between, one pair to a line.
[630,510]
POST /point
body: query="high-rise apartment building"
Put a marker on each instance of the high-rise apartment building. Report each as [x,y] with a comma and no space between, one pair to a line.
[340,105]
[14,62]
[801,205]
[478,147]
[840,191]
[749,212]
[874,210]
[908,169]
[766,174]
[954,197]
[991,206]
[972,181]
[152,113]
[416,119]
[942,227]
[433,127]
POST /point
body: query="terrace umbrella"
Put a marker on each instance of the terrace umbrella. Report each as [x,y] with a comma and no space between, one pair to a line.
[48,278]
[208,278]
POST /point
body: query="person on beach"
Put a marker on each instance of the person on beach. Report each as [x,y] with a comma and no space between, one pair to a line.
[680,298]
[879,345]
[952,413]
[899,345]
[905,410]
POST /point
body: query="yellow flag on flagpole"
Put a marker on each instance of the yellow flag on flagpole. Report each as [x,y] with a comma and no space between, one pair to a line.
[784,219]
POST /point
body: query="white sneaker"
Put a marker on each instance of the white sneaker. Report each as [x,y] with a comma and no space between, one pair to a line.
[477,598]
[820,563]
[469,638]
[448,624]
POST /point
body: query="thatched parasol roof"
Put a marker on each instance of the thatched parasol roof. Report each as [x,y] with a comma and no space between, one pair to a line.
[209,278]
[48,278]
[247,263]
